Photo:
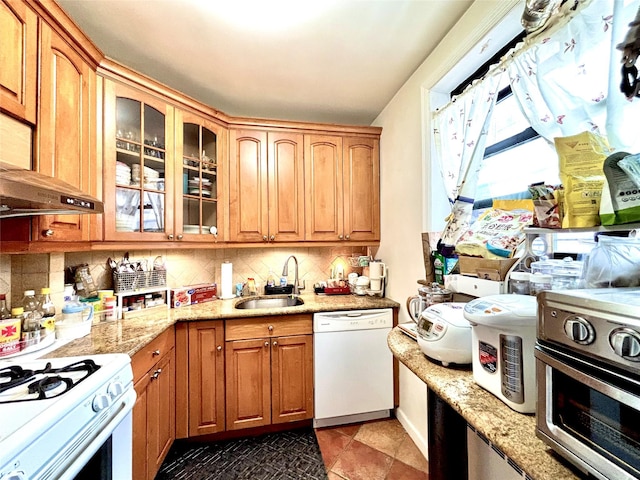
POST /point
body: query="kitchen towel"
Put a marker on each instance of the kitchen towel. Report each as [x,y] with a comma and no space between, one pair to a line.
[226,281]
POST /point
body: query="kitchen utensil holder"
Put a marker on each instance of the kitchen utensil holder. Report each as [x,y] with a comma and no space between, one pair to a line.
[132,281]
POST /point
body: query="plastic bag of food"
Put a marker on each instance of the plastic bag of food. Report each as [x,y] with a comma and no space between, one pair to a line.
[581,158]
[620,195]
[546,205]
[614,262]
[496,234]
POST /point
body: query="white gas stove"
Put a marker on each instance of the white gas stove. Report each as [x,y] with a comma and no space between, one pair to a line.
[66,418]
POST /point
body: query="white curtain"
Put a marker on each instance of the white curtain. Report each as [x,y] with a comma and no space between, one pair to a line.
[567,78]
[460,133]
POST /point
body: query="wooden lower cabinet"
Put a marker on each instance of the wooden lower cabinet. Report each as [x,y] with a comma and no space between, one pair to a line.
[269,377]
[154,410]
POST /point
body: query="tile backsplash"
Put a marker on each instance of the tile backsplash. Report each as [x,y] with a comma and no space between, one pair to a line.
[184,267]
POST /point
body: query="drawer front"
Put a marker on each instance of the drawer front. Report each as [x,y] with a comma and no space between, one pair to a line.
[150,354]
[272,326]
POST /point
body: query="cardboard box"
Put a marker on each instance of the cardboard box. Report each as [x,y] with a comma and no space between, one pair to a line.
[485,268]
[193,294]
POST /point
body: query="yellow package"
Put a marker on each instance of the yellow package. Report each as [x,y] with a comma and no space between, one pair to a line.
[581,158]
[516,204]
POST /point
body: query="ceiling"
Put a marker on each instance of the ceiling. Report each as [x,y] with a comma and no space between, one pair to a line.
[330,61]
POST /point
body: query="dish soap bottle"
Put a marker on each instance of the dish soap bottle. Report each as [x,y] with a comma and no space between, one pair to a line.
[271,279]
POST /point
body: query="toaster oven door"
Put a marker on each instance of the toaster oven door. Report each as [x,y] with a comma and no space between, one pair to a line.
[589,414]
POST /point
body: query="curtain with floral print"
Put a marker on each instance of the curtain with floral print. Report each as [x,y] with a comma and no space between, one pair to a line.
[561,77]
[460,133]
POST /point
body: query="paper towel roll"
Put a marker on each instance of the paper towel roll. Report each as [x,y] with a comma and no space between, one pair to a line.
[226,280]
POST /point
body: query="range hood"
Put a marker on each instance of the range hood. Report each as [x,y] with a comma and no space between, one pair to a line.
[25,192]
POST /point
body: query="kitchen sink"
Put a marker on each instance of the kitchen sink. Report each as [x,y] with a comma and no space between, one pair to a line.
[274,302]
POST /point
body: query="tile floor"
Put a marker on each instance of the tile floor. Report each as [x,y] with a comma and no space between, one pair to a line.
[377,450]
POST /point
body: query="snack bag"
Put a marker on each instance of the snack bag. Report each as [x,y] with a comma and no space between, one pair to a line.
[581,158]
[496,234]
[546,205]
[620,195]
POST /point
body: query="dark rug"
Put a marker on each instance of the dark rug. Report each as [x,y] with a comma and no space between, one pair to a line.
[290,455]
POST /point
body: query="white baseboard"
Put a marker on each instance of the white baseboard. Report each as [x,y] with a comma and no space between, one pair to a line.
[413,432]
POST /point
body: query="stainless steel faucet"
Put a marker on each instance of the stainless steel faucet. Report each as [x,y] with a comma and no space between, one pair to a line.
[285,273]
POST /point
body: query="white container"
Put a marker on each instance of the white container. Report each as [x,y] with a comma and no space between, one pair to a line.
[519,283]
[70,331]
[503,340]
[444,334]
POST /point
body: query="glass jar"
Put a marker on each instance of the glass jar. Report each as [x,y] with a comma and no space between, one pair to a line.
[5,313]
[519,283]
[539,282]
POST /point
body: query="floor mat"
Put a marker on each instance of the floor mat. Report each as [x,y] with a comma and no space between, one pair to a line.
[290,455]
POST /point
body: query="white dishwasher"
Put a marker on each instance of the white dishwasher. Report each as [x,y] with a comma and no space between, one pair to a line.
[353,366]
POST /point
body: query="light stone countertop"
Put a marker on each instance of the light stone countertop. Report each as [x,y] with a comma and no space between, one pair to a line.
[132,334]
[512,432]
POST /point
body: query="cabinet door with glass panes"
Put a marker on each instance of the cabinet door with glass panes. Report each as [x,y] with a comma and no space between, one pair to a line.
[199,149]
[138,165]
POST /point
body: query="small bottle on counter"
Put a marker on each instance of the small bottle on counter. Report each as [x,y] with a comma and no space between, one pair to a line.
[47,310]
[110,309]
[5,313]
[519,283]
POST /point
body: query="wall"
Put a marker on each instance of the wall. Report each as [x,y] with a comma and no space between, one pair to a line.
[184,267]
[411,199]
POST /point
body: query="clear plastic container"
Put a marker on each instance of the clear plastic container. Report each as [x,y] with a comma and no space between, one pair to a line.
[539,282]
[519,283]
[565,274]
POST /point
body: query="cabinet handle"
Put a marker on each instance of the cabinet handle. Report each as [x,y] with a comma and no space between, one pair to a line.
[266,344]
[275,344]
[219,348]
[264,238]
[170,236]
[47,233]
[155,353]
[273,237]
[270,328]
[340,236]
[157,373]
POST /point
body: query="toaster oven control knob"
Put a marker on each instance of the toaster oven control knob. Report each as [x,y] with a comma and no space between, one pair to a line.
[579,330]
[626,343]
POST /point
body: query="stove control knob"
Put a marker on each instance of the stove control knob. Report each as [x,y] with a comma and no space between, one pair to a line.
[579,330]
[16,475]
[100,402]
[115,390]
[626,343]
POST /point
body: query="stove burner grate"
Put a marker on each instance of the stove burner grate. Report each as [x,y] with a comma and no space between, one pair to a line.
[15,376]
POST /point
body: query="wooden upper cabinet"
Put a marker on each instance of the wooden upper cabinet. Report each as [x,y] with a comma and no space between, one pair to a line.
[342,187]
[266,186]
[323,187]
[65,132]
[200,147]
[361,188]
[138,167]
[18,59]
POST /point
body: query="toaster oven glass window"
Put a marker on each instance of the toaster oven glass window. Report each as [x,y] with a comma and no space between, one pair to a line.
[602,423]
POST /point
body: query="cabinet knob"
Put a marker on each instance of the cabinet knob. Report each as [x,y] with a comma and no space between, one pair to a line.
[270,328]
[340,236]
[180,237]
[219,348]
[273,237]
[157,373]
[170,236]
[155,353]
[264,238]
[47,233]
[266,344]
[275,344]
[347,237]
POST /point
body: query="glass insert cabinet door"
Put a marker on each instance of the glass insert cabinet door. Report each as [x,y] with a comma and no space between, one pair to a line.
[199,141]
[138,146]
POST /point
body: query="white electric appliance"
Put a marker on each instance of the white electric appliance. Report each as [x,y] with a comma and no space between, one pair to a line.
[444,334]
[353,366]
[503,339]
[66,418]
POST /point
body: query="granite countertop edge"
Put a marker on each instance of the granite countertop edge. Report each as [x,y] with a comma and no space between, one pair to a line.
[512,432]
[131,334]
